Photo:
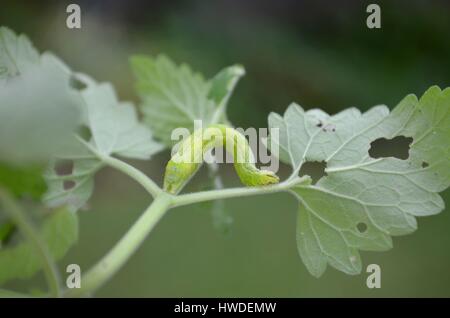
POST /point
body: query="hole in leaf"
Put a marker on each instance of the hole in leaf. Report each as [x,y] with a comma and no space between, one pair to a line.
[68,184]
[328,128]
[76,83]
[314,169]
[362,227]
[424,164]
[319,124]
[85,133]
[397,147]
[64,167]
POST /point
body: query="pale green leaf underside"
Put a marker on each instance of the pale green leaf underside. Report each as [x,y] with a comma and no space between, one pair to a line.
[59,231]
[115,130]
[174,96]
[36,95]
[16,54]
[222,87]
[382,195]
[223,84]
[39,110]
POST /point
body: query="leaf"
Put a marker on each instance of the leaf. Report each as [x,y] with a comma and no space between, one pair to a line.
[59,230]
[17,54]
[363,201]
[115,130]
[39,111]
[174,96]
[223,84]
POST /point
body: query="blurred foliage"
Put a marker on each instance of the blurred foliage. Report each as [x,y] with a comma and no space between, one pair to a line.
[59,231]
[317,53]
[23,181]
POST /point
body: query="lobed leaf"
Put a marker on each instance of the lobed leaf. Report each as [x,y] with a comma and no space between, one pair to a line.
[115,130]
[362,201]
[174,96]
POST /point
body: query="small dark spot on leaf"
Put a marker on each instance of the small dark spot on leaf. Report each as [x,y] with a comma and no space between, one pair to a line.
[397,147]
[314,169]
[329,127]
[319,124]
[68,184]
[424,164]
[64,167]
[362,227]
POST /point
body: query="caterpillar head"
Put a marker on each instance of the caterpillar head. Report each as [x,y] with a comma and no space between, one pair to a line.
[177,174]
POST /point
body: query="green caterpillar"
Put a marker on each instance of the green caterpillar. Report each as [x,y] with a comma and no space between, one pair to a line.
[189,157]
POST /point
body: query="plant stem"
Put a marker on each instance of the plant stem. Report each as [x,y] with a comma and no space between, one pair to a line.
[124,167]
[130,242]
[135,174]
[127,245]
[34,239]
[190,198]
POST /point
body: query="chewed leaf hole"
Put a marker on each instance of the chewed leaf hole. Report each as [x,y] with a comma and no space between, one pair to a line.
[84,132]
[425,164]
[76,83]
[314,169]
[68,184]
[361,227]
[328,127]
[64,167]
[397,147]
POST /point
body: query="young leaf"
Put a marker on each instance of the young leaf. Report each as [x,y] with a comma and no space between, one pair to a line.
[224,82]
[59,231]
[362,201]
[222,86]
[174,96]
[115,130]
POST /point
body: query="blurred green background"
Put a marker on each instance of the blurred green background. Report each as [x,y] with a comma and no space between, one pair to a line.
[316,53]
